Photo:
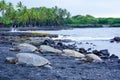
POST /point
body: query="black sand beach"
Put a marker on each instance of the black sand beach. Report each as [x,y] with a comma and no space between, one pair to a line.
[64,68]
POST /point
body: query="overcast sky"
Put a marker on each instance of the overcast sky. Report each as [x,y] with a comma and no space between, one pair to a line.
[97,8]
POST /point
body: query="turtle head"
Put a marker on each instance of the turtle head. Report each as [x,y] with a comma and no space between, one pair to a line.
[14,49]
[38,49]
[87,59]
[12,60]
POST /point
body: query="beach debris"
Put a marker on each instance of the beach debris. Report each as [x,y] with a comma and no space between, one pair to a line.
[29,59]
[73,53]
[46,48]
[24,47]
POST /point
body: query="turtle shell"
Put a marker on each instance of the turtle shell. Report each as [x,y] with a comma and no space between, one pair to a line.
[24,47]
[45,48]
[73,53]
[31,59]
[94,57]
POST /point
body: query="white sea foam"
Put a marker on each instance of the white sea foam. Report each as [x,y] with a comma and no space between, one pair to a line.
[13,30]
[61,37]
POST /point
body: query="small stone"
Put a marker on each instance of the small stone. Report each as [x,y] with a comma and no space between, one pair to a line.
[114,56]
[89,49]
[59,44]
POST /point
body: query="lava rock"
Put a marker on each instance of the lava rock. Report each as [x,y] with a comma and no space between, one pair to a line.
[89,49]
[111,40]
[48,42]
[82,50]
[113,56]
[104,53]
[60,44]
[117,39]
[96,52]
[119,61]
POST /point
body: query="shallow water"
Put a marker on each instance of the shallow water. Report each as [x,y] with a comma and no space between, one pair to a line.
[13,30]
[95,38]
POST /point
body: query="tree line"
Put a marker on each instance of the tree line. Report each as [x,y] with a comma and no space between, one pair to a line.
[91,21]
[21,16]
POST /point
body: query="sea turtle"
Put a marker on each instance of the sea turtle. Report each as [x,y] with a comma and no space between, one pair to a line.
[29,59]
[92,58]
[38,40]
[45,48]
[24,47]
[73,53]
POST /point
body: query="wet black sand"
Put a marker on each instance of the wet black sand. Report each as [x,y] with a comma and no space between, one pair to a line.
[64,68]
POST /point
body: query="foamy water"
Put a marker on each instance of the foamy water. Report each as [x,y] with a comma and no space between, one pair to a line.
[98,37]
[62,37]
[13,30]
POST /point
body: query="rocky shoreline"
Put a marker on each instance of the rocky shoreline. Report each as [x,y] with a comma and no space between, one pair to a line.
[64,67]
[36,28]
[27,34]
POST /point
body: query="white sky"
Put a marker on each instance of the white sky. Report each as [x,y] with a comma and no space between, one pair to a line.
[97,8]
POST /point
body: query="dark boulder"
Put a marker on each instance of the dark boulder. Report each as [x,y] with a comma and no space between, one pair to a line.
[70,46]
[118,60]
[104,53]
[82,50]
[96,52]
[48,41]
[113,56]
[89,49]
[60,44]
[111,40]
[116,39]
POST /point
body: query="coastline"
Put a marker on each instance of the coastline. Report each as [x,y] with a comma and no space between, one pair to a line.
[36,28]
[64,68]
[50,28]
[27,34]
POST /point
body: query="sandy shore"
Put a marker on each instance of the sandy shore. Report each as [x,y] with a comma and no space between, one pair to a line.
[64,68]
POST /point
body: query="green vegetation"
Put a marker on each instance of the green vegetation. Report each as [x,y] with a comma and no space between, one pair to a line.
[23,17]
[90,21]
[42,16]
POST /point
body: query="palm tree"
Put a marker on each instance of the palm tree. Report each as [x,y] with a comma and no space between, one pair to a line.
[9,12]
[9,9]
[25,16]
[2,6]
[19,4]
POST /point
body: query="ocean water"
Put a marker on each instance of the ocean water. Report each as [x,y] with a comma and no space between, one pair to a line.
[94,38]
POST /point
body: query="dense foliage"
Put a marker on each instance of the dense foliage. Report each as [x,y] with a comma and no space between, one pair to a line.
[32,17]
[90,21]
[42,16]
